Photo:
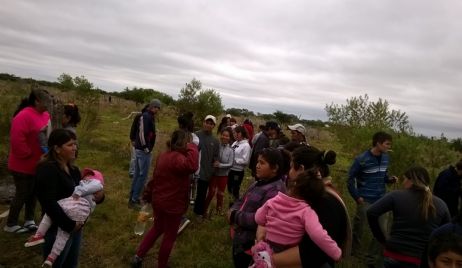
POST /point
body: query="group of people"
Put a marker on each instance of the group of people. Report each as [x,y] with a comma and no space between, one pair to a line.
[290,216]
[41,161]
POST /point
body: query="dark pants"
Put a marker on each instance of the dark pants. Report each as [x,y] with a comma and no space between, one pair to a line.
[241,259]
[166,224]
[69,257]
[199,203]
[25,187]
[234,182]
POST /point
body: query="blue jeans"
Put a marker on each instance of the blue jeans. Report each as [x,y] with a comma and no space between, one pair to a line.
[70,255]
[142,164]
[392,263]
[131,169]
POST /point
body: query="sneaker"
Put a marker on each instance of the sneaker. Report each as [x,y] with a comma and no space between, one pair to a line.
[184,222]
[48,262]
[34,240]
[15,229]
[136,262]
[31,226]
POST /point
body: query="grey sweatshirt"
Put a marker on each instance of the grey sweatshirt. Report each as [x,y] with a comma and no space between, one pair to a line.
[409,231]
[226,159]
[208,150]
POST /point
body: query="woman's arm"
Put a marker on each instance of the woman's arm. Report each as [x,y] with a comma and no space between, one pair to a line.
[320,236]
[377,209]
[229,158]
[48,192]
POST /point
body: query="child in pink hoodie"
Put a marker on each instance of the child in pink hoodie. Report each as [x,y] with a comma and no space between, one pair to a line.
[286,218]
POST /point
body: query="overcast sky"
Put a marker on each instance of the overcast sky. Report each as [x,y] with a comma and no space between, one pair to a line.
[294,56]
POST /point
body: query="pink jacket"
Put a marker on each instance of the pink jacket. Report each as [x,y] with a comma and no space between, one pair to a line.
[25,149]
[286,220]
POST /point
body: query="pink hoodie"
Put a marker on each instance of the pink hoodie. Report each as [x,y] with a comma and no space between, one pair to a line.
[286,220]
[25,149]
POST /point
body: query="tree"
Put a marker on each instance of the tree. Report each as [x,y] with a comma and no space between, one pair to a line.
[283,118]
[187,98]
[200,102]
[66,81]
[360,112]
[208,102]
[82,84]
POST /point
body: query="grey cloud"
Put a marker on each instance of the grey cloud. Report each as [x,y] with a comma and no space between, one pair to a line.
[293,56]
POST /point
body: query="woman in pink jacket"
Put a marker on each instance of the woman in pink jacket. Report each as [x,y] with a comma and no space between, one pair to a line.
[29,121]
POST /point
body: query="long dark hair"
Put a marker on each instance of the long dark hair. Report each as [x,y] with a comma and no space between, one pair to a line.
[186,122]
[309,186]
[311,157]
[35,94]
[72,111]
[57,138]
[178,140]
[242,130]
[420,182]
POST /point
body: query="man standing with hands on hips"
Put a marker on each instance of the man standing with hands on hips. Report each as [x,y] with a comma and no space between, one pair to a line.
[145,139]
[366,183]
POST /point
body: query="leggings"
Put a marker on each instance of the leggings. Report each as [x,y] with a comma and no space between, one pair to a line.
[164,223]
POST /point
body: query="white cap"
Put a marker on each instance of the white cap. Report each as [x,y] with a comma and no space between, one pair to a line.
[228,115]
[297,127]
[211,117]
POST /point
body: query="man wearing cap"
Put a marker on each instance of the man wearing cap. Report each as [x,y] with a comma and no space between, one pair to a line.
[297,133]
[209,148]
[145,138]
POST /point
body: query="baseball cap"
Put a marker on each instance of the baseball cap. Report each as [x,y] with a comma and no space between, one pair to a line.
[297,127]
[211,117]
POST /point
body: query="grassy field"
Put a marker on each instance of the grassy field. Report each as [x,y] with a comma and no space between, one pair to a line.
[109,240]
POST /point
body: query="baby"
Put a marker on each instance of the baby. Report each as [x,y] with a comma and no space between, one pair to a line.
[77,207]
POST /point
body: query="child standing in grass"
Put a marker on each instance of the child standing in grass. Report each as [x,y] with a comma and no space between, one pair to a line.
[286,218]
[222,166]
[271,166]
[168,192]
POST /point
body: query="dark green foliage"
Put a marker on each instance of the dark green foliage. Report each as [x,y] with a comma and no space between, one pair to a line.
[239,112]
[360,112]
[200,102]
[456,145]
[144,95]
[356,122]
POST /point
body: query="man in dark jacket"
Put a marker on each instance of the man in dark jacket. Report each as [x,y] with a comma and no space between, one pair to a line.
[145,138]
[447,187]
[261,143]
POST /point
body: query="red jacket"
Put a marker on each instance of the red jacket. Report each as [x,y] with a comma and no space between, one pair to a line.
[168,190]
[249,129]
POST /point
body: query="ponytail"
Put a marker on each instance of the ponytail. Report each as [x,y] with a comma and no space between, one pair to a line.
[420,181]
